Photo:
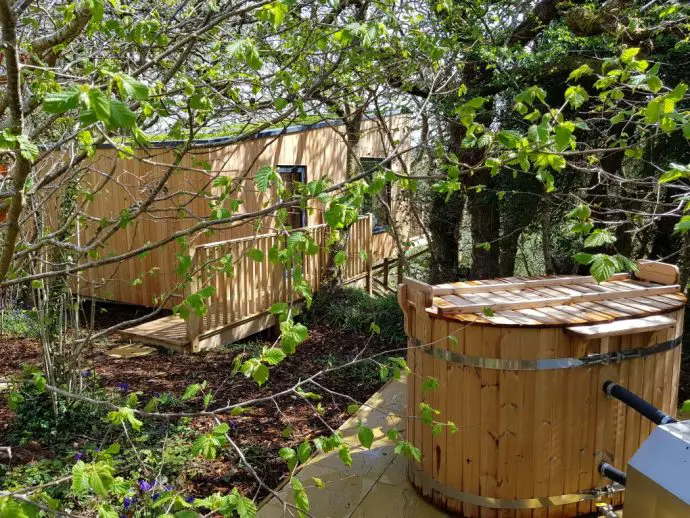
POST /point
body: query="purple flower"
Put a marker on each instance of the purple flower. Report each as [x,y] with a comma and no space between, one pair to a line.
[169,487]
[79,455]
[189,499]
[123,386]
[144,486]
[128,502]
[155,497]
[86,374]
[233,425]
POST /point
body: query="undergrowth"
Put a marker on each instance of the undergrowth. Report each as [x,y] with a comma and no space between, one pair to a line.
[354,310]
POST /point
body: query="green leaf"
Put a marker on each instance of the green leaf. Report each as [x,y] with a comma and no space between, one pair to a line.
[292,335]
[300,496]
[191,391]
[408,450]
[583,70]
[265,177]
[100,104]
[365,436]
[272,356]
[345,456]
[599,237]
[256,255]
[340,258]
[61,102]
[430,384]
[629,54]
[562,136]
[682,226]
[602,267]
[576,96]
[279,308]
[27,149]
[290,456]
[304,452]
[654,83]
[685,409]
[131,88]
[583,258]
[120,115]
[260,374]
[677,94]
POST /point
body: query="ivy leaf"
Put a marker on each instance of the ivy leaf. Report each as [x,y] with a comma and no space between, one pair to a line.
[256,255]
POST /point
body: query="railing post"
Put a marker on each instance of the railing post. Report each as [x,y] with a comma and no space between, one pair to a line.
[194,322]
[369,236]
[385,271]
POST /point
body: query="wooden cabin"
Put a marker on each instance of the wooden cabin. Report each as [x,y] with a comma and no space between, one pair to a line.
[298,153]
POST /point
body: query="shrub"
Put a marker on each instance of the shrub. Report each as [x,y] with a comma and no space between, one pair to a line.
[354,310]
[20,322]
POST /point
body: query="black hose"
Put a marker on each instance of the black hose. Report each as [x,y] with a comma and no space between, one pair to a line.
[637,403]
[612,473]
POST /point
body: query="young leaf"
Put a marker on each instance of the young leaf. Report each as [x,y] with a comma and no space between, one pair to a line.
[365,436]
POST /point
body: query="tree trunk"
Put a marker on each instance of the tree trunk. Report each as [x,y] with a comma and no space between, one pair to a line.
[444,222]
[485,226]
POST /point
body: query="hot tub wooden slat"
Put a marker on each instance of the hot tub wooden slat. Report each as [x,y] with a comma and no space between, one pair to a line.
[623,327]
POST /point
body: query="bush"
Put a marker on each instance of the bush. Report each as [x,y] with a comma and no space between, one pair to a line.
[20,322]
[354,310]
[34,418]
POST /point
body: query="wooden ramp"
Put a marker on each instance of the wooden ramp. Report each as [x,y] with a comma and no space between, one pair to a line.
[241,302]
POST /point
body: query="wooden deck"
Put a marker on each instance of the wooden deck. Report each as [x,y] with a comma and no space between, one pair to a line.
[240,305]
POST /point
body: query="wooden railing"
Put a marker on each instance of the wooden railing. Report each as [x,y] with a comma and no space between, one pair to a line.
[254,286]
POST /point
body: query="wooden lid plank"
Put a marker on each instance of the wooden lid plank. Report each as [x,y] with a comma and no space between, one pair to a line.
[623,327]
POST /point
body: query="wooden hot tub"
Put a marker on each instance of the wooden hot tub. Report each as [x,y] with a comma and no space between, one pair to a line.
[520,363]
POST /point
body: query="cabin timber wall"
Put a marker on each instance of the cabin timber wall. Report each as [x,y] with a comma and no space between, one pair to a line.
[149,279]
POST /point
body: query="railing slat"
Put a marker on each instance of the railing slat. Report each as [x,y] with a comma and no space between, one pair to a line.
[255,286]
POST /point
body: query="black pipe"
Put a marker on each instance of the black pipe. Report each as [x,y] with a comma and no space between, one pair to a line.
[612,473]
[637,403]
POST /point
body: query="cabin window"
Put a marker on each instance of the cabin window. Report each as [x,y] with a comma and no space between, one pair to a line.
[291,174]
[376,204]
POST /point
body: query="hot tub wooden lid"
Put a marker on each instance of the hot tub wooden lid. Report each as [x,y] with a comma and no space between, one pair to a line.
[559,300]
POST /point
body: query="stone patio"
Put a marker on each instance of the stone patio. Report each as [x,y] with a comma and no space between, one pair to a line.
[375,485]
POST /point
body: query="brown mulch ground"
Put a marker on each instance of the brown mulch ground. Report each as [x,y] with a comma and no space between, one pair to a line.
[259,431]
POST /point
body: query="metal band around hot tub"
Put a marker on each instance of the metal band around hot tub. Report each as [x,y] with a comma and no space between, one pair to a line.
[546,363]
[508,503]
